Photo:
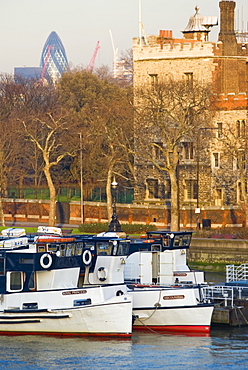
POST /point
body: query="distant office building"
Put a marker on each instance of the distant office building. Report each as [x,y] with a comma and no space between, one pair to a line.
[27,73]
[53,59]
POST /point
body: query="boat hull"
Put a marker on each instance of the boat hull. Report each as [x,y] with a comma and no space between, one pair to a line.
[171,309]
[111,316]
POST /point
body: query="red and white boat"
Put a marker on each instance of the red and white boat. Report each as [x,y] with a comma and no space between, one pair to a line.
[166,294]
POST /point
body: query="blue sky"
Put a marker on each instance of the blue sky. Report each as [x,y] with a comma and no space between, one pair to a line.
[26,24]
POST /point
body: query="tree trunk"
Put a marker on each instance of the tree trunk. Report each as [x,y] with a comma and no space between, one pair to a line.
[108,192]
[174,201]
[2,212]
[52,211]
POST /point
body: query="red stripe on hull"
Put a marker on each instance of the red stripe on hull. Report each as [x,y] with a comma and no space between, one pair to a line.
[175,328]
[112,335]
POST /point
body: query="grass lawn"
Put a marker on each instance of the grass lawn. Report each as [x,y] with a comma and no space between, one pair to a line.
[33,230]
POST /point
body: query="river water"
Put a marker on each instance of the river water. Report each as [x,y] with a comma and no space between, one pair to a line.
[224,348]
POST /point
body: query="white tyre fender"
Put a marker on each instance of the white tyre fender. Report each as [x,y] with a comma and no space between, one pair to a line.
[46,261]
[87,257]
[102,274]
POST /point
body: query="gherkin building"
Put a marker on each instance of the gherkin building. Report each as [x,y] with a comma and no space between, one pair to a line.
[53,59]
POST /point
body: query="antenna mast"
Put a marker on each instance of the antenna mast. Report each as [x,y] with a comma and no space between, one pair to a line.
[142,35]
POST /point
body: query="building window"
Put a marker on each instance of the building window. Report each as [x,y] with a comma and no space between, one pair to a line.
[218,199]
[219,129]
[188,77]
[190,190]
[216,160]
[152,188]
[240,197]
[241,160]
[153,79]
[240,128]
[188,150]
[167,189]
[158,154]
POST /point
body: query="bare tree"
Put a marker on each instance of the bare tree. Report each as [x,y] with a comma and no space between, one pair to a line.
[167,113]
[50,139]
[232,141]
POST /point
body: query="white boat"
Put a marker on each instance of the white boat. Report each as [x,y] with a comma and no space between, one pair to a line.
[160,300]
[169,308]
[53,285]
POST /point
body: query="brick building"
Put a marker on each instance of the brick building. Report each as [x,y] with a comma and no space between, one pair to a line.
[209,173]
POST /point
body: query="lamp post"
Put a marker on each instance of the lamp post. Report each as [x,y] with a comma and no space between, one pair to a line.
[114,225]
[81,179]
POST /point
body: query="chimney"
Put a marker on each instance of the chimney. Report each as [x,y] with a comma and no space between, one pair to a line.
[227,33]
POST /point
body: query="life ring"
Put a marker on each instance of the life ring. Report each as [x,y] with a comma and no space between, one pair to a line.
[46,261]
[119,293]
[87,257]
[102,274]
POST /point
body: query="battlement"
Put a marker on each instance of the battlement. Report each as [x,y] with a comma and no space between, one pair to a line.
[160,47]
[231,101]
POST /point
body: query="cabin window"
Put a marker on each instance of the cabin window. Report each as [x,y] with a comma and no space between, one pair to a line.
[166,241]
[31,282]
[104,249]
[52,247]
[69,250]
[78,249]
[15,281]
[62,249]
[2,266]
[123,249]
[41,248]
[182,241]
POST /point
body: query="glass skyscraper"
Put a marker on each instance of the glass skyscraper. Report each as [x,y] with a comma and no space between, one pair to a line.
[53,59]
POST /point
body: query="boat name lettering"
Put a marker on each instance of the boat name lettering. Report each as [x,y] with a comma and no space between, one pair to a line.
[75,292]
[166,298]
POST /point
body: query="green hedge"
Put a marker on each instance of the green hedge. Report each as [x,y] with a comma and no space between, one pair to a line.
[127,228]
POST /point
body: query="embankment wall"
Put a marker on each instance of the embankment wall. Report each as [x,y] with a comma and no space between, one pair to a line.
[218,251]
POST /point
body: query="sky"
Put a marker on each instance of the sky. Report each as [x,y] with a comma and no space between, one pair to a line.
[26,24]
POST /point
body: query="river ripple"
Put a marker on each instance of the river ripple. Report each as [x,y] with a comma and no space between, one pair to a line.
[223,349]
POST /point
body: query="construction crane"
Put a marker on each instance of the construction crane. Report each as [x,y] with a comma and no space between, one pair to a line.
[92,62]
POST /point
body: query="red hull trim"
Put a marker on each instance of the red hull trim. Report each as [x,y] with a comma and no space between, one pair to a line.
[204,329]
[101,335]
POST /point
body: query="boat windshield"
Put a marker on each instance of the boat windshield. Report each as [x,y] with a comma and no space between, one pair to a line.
[123,248]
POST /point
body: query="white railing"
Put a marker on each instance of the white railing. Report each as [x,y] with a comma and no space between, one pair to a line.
[219,294]
[224,295]
[234,273]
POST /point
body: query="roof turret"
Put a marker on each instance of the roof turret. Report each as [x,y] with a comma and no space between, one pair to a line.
[199,26]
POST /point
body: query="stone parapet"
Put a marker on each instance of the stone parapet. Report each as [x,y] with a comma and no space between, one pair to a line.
[173,49]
